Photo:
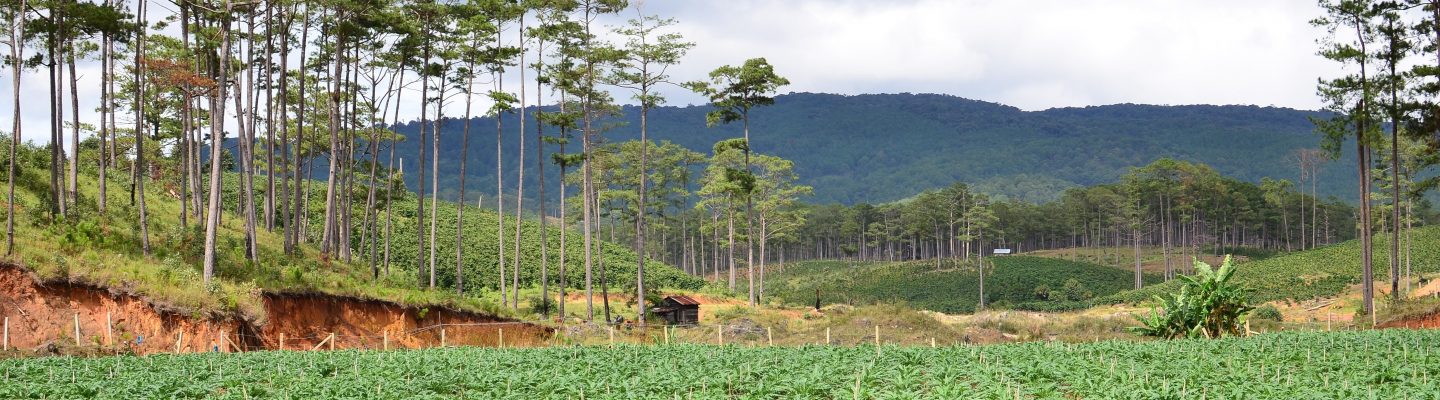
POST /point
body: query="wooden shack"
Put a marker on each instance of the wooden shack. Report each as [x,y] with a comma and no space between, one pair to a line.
[678,310]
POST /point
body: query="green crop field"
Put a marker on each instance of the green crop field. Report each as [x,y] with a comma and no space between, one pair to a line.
[1322,272]
[1389,364]
[1021,282]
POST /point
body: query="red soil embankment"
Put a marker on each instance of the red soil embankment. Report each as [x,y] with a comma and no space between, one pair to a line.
[1431,320]
[43,316]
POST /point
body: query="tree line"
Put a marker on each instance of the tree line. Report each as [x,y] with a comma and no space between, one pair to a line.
[1385,102]
[266,92]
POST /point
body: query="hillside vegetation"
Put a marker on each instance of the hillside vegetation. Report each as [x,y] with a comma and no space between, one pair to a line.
[1020,282]
[1322,272]
[105,250]
[878,148]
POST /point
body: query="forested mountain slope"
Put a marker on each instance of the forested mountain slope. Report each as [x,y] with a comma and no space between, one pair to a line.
[884,147]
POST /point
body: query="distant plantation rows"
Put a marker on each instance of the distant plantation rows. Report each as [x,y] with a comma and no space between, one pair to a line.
[1020,282]
[1322,272]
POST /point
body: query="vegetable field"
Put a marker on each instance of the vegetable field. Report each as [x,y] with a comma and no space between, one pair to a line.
[1388,364]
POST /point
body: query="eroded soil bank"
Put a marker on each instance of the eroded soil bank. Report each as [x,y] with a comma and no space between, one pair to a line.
[43,316]
[1431,320]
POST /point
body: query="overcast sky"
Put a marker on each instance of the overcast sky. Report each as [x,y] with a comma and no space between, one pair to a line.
[1034,54]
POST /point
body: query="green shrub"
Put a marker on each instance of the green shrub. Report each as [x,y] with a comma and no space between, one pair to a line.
[1268,313]
[1207,306]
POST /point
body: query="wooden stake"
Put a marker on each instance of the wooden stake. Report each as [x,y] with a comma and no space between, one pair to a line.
[442,337]
[7,333]
[109,330]
[720,335]
[502,337]
[282,341]
[234,347]
[877,336]
[332,341]
[77,329]
[932,342]
[386,339]
[666,329]
[1328,317]
[827,336]
[178,340]
[323,342]
[769,338]
[612,336]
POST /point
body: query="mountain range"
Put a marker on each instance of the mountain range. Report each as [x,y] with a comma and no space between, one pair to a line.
[879,148]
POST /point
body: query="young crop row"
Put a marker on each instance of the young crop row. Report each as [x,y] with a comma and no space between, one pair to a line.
[1312,365]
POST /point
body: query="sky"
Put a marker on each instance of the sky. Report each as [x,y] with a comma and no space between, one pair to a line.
[1035,54]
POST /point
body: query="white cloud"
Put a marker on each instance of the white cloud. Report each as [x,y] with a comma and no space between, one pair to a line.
[1031,54]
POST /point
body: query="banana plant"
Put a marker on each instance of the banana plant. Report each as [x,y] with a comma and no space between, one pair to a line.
[1208,305]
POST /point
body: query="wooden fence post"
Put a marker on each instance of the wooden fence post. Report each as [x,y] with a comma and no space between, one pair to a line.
[282,341]
[330,339]
[77,329]
[442,337]
[502,337]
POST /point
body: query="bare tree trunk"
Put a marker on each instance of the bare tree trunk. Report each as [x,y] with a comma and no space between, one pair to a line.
[730,246]
[73,189]
[286,209]
[269,116]
[246,116]
[107,116]
[298,209]
[57,114]
[435,178]
[540,177]
[564,227]
[604,275]
[328,240]
[420,167]
[1138,281]
[17,51]
[217,137]
[460,204]
[520,181]
[500,191]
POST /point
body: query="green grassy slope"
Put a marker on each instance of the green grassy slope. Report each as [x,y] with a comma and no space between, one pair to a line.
[1321,272]
[105,250]
[1012,282]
